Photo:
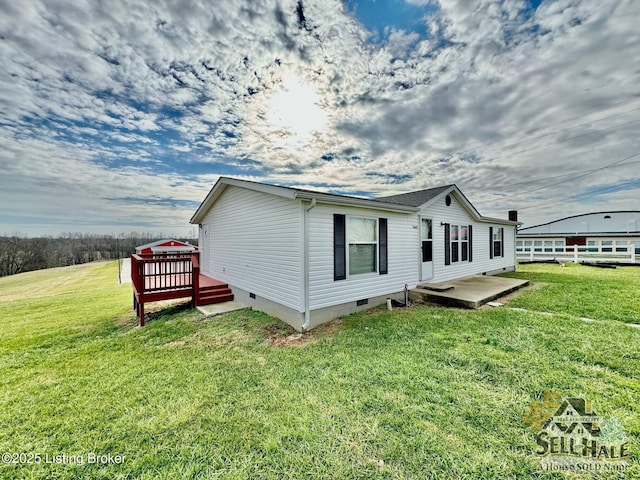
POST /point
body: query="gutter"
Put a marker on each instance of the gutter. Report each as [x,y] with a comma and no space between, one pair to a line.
[305,274]
[354,201]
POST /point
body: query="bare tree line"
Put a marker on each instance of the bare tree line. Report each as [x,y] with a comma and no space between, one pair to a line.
[20,254]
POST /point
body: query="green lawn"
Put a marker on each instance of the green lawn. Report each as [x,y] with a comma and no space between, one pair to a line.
[598,293]
[423,393]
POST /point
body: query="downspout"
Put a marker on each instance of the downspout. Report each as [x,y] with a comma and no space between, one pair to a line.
[305,274]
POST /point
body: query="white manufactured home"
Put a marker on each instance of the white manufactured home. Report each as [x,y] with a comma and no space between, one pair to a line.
[308,257]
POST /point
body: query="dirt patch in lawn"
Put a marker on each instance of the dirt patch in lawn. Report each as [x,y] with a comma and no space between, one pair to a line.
[283,335]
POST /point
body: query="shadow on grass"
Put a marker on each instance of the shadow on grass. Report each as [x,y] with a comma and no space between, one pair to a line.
[154,312]
[168,311]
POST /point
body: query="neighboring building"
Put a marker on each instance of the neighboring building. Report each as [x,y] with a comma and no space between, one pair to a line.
[611,236]
[308,257]
[168,246]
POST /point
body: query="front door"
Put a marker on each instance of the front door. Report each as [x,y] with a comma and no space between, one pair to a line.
[426,249]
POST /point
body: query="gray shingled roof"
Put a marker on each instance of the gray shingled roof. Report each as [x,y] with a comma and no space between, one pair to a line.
[414,199]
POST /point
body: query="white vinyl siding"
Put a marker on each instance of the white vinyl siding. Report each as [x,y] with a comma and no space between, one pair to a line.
[255,243]
[403,257]
[455,214]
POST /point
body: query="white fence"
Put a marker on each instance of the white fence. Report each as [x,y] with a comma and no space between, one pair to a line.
[580,254]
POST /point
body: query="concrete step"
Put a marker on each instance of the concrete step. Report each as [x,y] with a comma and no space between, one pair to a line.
[436,287]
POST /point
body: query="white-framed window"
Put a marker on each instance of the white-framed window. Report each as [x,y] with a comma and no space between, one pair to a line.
[498,238]
[548,245]
[362,241]
[621,246]
[592,246]
[607,245]
[464,243]
[559,246]
[459,239]
[496,242]
[455,243]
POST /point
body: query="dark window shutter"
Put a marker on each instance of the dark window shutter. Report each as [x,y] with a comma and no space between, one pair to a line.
[447,244]
[339,249]
[470,243]
[502,242]
[384,267]
[490,242]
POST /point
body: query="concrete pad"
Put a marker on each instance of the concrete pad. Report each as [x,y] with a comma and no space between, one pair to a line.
[219,308]
[470,292]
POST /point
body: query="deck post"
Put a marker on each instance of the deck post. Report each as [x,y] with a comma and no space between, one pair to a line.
[141,310]
[195,263]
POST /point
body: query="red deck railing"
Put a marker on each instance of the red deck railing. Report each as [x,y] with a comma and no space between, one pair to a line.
[163,277]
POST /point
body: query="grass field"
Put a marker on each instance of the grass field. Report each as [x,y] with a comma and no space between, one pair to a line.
[612,294]
[421,393]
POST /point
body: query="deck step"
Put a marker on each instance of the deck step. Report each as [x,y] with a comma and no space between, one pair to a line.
[214,288]
[219,298]
[212,294]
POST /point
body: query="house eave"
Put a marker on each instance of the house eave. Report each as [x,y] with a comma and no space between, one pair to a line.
[292,193]
[468,207]
[354,202]
[499,220]
[340,200]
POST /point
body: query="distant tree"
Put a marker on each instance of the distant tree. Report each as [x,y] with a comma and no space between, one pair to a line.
[19,254]
[16,254]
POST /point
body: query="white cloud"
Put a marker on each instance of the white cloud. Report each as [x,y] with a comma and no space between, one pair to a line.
[126,97]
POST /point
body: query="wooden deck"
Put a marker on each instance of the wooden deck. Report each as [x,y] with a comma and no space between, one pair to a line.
[165,277]
[179,281]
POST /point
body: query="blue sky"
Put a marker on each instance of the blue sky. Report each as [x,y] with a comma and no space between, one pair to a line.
[381,17]
[120,116]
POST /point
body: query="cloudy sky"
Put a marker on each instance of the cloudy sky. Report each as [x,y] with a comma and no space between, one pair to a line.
[119,116]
